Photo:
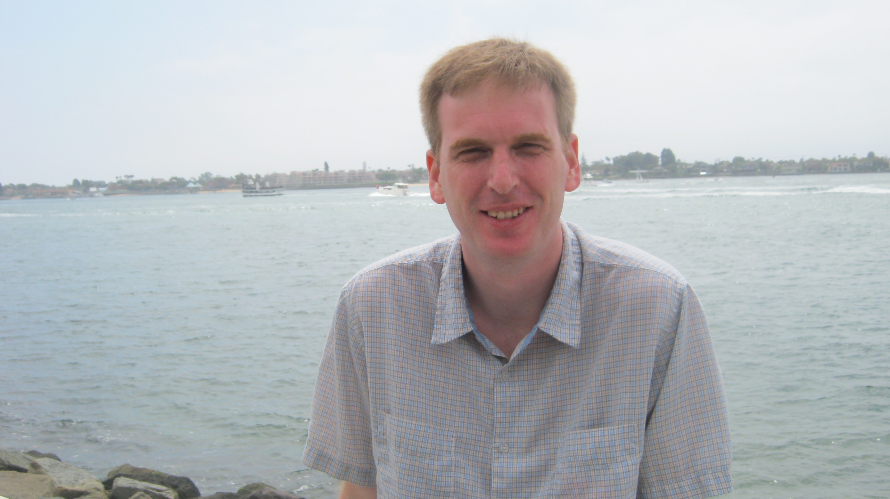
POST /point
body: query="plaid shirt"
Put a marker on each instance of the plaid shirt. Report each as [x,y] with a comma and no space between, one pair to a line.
[617,393]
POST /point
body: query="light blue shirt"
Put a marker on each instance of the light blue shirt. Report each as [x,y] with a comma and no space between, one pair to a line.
[616,394]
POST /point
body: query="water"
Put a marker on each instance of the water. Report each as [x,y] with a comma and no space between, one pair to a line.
[183,333]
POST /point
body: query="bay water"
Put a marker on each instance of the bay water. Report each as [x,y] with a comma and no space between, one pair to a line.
[183,333]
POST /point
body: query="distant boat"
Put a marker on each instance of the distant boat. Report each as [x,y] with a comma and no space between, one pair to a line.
[640,175]
[397,189]
[250,189]
[588,179]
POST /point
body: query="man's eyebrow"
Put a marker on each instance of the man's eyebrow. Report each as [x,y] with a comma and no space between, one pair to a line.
[465,143]
[539,138]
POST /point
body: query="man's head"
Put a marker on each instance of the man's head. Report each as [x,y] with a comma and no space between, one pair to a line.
[509,63]
[499,115]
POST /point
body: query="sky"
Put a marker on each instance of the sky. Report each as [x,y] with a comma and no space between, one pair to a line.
[155,89]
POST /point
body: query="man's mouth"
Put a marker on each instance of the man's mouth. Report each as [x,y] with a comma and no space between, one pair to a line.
[501,215]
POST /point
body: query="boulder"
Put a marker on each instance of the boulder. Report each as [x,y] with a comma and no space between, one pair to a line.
[263,491]
[252,487]
[70,481]
[183,486]
[17,485]
[14,461]
[36,454]
[127,488]
[222,495]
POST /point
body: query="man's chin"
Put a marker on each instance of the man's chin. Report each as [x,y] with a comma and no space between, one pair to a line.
[507,248]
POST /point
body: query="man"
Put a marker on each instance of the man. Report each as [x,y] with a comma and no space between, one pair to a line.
[521,357]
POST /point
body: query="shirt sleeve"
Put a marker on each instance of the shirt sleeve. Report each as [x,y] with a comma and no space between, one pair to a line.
[687,450]
[340,434]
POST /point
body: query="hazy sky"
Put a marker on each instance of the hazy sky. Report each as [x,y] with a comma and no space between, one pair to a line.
[95,90]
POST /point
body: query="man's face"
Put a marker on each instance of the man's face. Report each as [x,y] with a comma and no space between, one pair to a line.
[503,169]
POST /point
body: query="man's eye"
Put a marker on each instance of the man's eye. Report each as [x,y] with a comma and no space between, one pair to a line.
[472,153]
[529,148]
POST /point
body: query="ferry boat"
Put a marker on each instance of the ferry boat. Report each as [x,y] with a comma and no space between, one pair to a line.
[397,189]
[252,189]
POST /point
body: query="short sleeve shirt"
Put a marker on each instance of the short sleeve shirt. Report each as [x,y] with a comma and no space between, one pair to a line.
[617,394]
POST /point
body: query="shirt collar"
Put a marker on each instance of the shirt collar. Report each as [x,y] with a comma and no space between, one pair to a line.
[452,315]
[561,317]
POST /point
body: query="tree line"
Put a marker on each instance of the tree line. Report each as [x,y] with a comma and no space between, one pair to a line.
[664,165]
[667,165]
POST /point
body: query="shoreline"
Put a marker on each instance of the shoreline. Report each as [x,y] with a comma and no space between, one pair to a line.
[38,475]
[418,184]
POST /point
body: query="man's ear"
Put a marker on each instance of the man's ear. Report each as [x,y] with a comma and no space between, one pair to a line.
[573,175]
[432,165]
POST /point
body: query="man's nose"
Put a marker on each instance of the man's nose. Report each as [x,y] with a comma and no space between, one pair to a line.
[502,177]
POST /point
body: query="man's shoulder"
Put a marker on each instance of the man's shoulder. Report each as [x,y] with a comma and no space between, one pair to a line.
[601,251]
[404,263]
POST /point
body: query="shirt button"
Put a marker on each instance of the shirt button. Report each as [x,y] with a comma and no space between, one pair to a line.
[505,448]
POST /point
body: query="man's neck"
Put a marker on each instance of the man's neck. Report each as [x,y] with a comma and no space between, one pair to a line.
[508,296]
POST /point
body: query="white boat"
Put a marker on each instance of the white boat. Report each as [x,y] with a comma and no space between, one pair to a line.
[250,189]
[640,175]
[397,189]
[588,179]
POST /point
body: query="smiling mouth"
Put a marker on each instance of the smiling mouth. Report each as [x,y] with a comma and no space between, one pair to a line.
[501,215]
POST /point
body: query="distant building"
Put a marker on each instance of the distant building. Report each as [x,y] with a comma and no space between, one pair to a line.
[301,180]
[839,167]
[789,168]
[53,193]
[747,168]
[813,166]
[277,179]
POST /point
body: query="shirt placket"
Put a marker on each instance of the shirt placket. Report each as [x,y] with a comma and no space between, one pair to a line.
[506,411]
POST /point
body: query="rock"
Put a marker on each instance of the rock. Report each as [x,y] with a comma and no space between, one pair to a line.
[252,487]
[36,454]
[263,491]
[127,488]
[17,485]
[14,461]
[70,481]
[223,495]
[183,486]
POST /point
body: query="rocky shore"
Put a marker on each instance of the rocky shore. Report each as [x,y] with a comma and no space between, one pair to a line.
[36,475]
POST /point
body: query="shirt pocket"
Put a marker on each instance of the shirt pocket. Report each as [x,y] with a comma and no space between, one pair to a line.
[419,460]
[599,463]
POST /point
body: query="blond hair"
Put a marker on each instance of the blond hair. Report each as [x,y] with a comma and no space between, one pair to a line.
[520,65]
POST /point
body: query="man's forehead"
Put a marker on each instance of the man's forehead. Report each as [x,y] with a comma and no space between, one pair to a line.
[489,98]
[497,112]
[492,86]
